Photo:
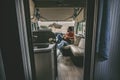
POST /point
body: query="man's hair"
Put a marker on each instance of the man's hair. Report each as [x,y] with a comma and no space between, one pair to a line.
[70,28]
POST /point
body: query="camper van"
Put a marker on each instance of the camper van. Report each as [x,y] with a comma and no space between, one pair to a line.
[60,40]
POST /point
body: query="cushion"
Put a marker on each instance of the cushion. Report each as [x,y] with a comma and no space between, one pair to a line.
[80,49]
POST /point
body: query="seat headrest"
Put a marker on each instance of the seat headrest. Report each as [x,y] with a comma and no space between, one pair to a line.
[42,36]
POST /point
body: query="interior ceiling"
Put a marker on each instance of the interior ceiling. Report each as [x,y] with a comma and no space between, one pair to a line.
[56,14]
[60,3]
[58,10]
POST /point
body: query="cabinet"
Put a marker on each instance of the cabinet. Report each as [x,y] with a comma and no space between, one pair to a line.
[45,62]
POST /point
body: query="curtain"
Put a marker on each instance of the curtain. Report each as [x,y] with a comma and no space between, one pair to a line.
[103,33]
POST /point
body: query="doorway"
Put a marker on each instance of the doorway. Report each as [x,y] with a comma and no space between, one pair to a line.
[76,24]
[68,63]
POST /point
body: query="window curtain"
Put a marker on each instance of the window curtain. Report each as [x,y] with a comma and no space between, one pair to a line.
[103,33]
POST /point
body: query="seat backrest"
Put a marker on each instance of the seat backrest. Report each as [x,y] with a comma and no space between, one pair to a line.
[82,43]
[42,36]
[77,39]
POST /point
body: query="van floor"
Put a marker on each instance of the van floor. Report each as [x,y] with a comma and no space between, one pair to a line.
[67,70]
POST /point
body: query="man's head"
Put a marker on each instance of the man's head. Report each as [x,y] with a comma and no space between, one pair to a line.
[70,29]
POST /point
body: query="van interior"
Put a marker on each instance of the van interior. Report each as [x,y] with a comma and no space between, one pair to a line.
[29,49]
[52,63]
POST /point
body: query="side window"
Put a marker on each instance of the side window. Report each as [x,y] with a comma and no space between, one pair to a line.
[81,28]
[34,26]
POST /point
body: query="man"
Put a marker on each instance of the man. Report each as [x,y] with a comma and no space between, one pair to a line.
[68,38]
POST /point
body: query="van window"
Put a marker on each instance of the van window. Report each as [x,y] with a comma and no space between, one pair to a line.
[81,28]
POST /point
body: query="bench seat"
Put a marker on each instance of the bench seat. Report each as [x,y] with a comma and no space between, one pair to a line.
[78,50]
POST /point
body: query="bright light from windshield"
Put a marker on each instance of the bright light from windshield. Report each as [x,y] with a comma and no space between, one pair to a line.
[63,29]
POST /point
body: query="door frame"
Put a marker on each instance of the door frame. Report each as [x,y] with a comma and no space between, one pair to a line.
[90,44]
[22,11]
[23,17]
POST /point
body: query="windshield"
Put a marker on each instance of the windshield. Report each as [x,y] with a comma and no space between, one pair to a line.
[57,27]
